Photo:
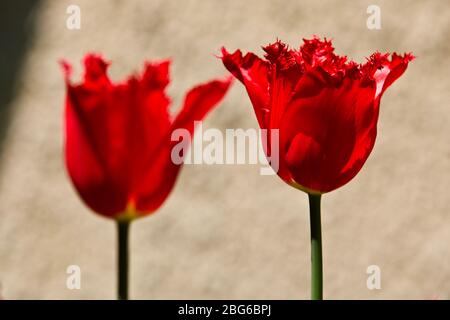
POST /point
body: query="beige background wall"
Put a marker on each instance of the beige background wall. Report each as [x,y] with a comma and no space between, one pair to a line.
[225,231]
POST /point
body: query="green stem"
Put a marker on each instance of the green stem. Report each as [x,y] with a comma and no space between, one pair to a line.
[316,247]
[122,261]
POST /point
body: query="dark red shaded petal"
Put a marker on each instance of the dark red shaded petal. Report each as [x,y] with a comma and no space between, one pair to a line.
[157,182]
[148,123]
[156,75]
[87,169]
[280,55]
[326,138]
[275,50]
[95,71]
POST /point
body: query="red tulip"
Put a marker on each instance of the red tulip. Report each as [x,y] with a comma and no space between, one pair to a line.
[325,107]
[117,136]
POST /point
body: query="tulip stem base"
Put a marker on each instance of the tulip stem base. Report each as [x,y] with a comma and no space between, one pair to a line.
[122,260]
[316,247]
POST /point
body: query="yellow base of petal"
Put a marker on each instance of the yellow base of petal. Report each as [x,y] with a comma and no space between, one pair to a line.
[304,189]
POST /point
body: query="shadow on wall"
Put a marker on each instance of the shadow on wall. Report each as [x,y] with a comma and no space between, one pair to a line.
[17,20]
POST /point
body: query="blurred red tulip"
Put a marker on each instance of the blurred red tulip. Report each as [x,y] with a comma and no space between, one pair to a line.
[118,136]
[325,107]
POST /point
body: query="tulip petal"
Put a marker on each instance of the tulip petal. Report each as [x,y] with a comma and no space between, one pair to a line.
[86,167]
[199,101]
[396,67]
[163,172]
[253,73]
[334,125]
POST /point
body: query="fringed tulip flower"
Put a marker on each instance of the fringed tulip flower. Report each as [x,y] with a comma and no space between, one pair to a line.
[324,106]
[118,138]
